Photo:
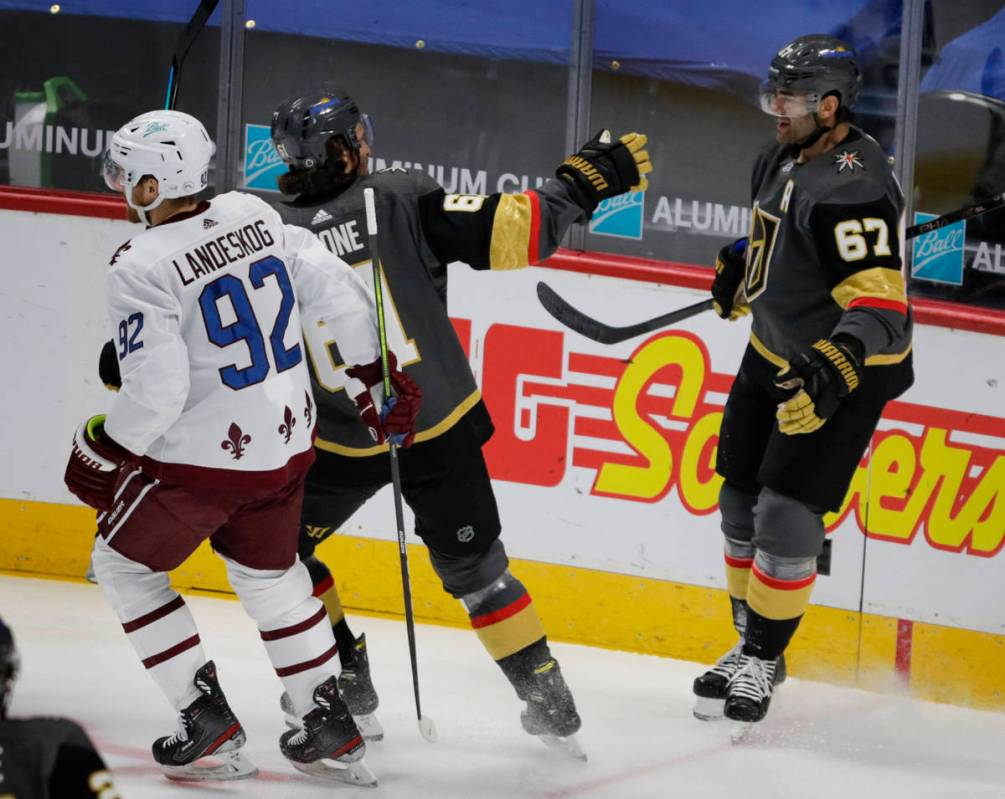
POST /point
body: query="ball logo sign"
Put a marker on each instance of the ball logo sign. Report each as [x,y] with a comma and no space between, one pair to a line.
[938,255]
[620,216]
[262,164]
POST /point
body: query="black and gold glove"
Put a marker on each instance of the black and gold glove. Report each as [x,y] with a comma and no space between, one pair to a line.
[729,297]
[605,168]
[108,367]
[822,376]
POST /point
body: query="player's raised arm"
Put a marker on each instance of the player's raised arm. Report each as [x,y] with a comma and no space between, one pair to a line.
[510,231]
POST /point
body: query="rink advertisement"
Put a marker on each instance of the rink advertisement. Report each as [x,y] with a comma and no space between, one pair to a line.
[603,461]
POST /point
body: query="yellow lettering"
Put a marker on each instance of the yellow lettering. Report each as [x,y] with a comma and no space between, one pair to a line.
[651,480]
[981,516]
[700,496]
[894,510]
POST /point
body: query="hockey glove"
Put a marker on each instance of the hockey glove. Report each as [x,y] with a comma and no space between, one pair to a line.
[108,367]
[604,168]
[400,411]
[96,465]
[729,297]
[822,376]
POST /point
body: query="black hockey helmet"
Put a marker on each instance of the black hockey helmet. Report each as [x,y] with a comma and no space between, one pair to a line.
[811,67]
[302,125]
[10,666]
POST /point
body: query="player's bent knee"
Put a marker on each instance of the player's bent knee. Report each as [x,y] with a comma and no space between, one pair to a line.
[737,508]
[132,589]
[787,528]
[464,574]
[269,594]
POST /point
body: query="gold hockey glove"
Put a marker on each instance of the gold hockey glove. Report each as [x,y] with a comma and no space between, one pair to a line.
[729,296]
[821,377]
[605,168]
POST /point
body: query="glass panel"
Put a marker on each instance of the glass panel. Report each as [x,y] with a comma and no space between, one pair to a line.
[961,154]
[474,95]
[68,80]
[691,83]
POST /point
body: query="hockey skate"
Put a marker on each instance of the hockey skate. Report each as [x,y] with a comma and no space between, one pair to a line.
[748,693]
[207,727]
[357,691]
[551,712]
[710,688]
[328,743]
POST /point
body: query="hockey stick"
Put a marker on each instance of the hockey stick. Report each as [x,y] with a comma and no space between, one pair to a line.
[185,41]
[426,727]
[607,334]
[955,216]
[596,330]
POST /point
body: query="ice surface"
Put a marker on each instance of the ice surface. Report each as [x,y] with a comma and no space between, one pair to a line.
[818,741]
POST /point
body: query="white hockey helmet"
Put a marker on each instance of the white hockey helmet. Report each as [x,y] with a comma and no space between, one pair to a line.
[172,146]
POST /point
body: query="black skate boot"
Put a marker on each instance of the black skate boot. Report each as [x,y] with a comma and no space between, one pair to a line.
[551,712]
[357,691]
[748,694]
[710,687]
[328,733]
[206,727]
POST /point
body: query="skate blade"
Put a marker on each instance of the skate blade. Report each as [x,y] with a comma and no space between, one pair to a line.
[225,766]
[568,745]
[708,709]
[369,727]
[356,773]
[739,731]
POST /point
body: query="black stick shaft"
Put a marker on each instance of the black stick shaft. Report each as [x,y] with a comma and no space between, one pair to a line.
[185,41]
[399,511]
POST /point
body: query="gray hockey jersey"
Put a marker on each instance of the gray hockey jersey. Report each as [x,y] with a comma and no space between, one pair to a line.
[421,230]
[825,253]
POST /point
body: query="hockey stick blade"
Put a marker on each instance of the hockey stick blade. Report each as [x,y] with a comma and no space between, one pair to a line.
[607,334]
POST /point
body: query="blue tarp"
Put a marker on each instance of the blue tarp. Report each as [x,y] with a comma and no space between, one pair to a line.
[973,62]
[707,43]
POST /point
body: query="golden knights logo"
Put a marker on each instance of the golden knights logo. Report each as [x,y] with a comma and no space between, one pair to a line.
[763,230]
[848,160]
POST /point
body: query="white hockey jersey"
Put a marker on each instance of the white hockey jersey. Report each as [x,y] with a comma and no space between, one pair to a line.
[206,311]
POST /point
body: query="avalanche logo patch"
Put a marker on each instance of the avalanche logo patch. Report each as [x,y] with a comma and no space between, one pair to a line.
[938,255]
[262,164]
[848,160]
[620,216]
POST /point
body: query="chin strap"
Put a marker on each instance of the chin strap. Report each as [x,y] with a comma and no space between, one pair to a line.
[141,210]
[812,139]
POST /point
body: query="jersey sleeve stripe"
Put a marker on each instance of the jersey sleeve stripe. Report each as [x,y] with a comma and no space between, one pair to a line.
[877,283]
[534,245]
[877,302]
[511,232]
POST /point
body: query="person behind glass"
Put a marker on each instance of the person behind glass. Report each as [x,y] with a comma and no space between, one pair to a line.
[326,141]
[830,344]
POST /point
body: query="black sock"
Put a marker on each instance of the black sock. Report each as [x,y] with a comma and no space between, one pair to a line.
[520,665]
[346,641]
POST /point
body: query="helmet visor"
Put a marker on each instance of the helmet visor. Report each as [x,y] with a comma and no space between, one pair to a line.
[368,129]
[790,103]
[113,173]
